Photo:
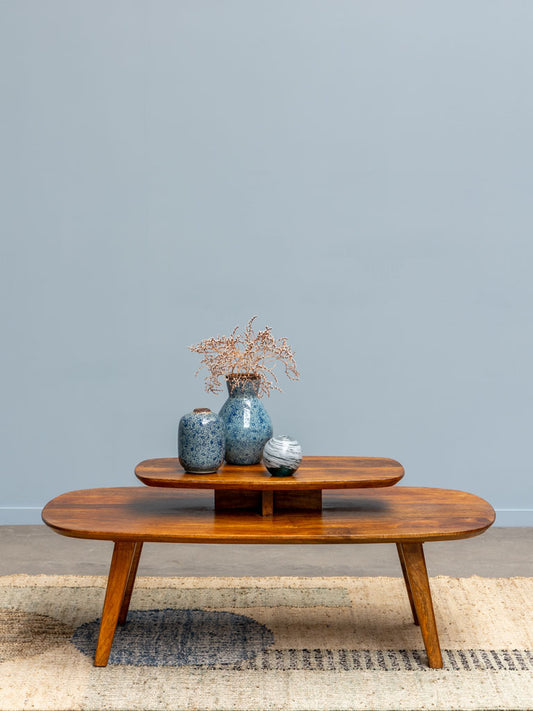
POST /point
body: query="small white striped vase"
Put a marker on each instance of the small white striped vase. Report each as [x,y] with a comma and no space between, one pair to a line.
[282,455]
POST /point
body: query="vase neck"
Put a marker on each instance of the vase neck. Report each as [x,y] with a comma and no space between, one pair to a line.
[243,386]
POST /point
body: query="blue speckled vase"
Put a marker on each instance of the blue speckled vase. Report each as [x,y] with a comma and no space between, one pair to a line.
[201,441]
[246,422]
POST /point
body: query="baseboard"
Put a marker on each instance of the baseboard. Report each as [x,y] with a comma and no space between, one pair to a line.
[514,517]
[28,515]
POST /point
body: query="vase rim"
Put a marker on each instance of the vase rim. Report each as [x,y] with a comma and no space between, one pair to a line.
[243,376]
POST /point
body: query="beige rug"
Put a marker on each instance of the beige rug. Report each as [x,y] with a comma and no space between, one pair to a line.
[252,644]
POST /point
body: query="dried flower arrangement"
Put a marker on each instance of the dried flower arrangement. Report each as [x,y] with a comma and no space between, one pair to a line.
[241,355]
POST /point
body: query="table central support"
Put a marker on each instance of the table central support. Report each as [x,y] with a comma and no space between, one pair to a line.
[268,501]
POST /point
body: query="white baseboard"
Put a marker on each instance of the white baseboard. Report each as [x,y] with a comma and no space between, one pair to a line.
[20,515]
[514,517]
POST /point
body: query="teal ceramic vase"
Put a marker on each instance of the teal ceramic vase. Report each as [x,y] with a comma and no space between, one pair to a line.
[247,424]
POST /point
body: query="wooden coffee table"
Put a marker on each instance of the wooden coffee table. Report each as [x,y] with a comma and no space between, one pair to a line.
[405,516]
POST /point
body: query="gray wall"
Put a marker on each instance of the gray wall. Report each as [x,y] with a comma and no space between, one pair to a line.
[358,174]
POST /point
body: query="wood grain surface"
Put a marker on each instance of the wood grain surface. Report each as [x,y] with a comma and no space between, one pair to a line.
[395,514]
[416,579]
[117,581]
[313,473]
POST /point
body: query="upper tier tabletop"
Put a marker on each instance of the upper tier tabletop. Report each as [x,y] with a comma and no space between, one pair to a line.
[314,473]
[396,514]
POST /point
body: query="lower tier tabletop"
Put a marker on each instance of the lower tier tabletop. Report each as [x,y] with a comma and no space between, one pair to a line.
[390,515]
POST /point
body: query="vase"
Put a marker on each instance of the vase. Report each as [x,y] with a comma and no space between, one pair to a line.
[201,441]
[282,455]
[247,424]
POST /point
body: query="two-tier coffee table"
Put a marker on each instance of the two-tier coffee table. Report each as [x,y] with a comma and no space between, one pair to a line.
[356,503]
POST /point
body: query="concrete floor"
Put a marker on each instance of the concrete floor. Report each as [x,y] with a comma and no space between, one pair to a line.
[499,552]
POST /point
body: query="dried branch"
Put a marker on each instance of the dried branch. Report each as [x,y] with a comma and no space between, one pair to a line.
[240,355]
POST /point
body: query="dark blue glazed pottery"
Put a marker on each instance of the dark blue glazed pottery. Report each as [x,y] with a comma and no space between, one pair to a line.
[201,442]
[247,424]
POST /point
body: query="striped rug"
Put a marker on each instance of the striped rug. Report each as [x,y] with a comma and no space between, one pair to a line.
[254,644]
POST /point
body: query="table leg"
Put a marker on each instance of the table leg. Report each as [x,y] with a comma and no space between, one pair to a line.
[415,566]
[407,583]
[123,555]
[131,582]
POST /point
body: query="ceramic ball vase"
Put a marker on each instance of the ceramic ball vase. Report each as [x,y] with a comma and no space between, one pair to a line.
[282,456]
[201,441]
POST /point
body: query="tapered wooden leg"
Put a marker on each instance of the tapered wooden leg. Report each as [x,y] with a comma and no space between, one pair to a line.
[116,587]
[407,583]
[131,582]
[415,566]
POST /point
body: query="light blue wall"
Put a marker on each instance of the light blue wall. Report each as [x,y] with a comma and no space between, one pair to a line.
[358,174]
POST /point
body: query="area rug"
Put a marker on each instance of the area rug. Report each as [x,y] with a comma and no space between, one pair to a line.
[258,644]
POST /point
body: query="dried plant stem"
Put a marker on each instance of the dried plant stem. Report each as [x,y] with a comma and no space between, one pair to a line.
[240,355]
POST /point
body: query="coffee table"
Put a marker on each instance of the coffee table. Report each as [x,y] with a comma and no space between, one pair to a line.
[405,516]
